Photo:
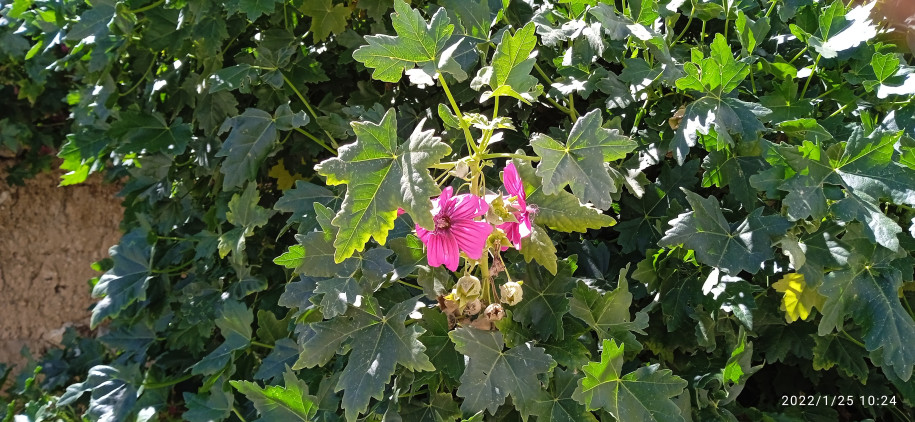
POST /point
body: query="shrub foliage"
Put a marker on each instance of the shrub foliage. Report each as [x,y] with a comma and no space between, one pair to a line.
[490,210]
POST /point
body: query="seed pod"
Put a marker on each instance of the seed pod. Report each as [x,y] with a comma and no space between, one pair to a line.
[473,308]
[468,287]
[494,312]
[511,293]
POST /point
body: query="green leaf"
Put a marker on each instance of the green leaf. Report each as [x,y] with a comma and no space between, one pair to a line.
[438,345]
[718,244]
[390,175]
[545,298]
[608,313]
[418,43]
[151,133]
[244,211]
[580,162]
[252,8]
[326,17]
[288,403]
[726,115]
[539,246]
[836,37]
[441,407]
[234,324]
[510,71]
[252,138]
[300,202]
[475,16]
[716,75]
[492,374]
[561,211]
[217,405]
[239,77]
[292,258]
[556,403]
[127,280]
[284,354]
[93,23]
[751,32]
[644,394]
[885,65]
[835,351]
[734,171]
[113,393]
[380,343]
[867,292]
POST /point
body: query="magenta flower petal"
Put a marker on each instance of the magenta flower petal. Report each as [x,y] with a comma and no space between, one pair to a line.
[512,181]
[455,229]
[471,236]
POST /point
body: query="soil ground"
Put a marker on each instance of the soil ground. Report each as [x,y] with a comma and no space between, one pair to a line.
[49,237]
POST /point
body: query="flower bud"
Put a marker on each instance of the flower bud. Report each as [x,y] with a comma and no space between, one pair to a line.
[494,312]
[511,293]
[468,286]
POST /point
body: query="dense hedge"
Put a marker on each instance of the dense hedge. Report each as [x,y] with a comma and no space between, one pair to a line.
[648,210]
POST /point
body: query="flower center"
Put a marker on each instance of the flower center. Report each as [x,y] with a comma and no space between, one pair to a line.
[442,222]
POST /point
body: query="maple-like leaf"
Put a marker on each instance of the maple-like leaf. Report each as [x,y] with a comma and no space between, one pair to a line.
[867,292]
[561,211]
[150,132]
[291,402]
[418,43]
[381,176]
[127,280]
[718,244]
[644,394]
[492,374]
[608,313]
[799,298]
[579,162]
[510,71]
[252,136]
[380,342]
[557,405]
[326,17]
[538,246]
[545,298]
[234,324]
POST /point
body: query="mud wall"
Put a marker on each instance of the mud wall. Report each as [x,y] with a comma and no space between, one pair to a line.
[49,237]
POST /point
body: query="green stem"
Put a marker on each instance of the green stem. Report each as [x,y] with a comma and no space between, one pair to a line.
[572,111]
[142,78]
[147,7]
[264,345]
[495,109]
[315,138]
[852,339]
[168,383]
[753,83]
[638,118]
[798,55]
[471,147]
[840,110]
[809,78]
[908,307]
[702,35]
[771,8]
[333,142]
[508,155]
[238,414]
[688,22]
[550,100]
[409,284]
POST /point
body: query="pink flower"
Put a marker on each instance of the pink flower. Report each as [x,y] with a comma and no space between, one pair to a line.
[516,231]
[455,229]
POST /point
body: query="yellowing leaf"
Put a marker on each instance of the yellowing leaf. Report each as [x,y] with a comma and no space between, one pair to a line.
[799,298]
[284,179]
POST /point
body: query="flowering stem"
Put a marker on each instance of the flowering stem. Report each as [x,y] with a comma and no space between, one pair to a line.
[457,112]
